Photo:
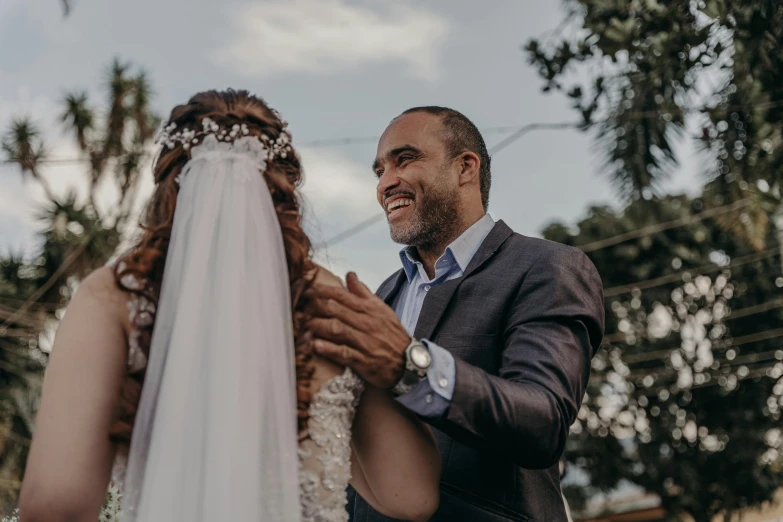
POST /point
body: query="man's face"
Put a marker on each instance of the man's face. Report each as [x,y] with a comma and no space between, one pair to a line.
[417,181]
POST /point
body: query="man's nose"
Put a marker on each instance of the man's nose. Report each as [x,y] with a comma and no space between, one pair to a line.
[388,180]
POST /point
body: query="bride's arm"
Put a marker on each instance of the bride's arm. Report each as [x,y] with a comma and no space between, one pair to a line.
[71,456]
[395,463]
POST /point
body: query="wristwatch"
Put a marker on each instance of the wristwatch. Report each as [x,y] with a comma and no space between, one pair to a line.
[417,363]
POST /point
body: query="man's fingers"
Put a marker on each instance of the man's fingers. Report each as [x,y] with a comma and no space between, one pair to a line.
[337,293]
[331,308]
[339,353]
[335,331]
[356,287]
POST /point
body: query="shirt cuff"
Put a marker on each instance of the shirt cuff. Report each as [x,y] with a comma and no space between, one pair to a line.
[431,398]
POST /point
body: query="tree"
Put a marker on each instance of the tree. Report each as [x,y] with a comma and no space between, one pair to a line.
[23,145]
[76,238]
[687,389]
[660,71]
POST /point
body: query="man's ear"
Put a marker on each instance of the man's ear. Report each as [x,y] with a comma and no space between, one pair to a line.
[469,165]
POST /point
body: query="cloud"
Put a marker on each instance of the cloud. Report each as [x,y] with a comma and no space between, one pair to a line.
[322,36]
[335,182]
[338,192]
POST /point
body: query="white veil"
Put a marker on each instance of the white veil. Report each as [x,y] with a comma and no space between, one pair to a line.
[215,436]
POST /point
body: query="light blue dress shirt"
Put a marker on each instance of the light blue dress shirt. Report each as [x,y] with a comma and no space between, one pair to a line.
[431,398]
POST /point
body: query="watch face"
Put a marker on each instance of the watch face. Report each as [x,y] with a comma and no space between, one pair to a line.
[420,356]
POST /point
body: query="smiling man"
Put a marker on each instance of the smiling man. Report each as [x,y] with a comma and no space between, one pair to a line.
[484,333]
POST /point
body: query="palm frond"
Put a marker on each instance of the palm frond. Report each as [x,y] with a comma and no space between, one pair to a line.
[140,110]
[78,117]
[22,144]
[120,88]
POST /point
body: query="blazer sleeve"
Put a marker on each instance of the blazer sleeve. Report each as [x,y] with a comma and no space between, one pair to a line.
[554,327]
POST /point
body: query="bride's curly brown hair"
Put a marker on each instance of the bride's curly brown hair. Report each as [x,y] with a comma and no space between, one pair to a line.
[145,261]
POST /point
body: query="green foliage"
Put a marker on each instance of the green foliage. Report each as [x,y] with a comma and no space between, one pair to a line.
[658,71]
[76,238]
[686,393]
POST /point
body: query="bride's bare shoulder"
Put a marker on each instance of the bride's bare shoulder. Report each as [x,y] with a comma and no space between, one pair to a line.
[325,277]
[101,287]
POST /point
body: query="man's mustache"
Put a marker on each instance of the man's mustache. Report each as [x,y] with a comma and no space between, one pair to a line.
[397,192]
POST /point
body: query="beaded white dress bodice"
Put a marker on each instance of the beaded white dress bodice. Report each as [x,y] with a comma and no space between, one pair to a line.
[324,456]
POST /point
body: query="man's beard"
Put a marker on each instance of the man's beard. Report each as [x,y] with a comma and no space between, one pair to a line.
[435,220]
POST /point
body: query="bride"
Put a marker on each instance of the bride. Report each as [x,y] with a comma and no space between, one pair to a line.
[184,374]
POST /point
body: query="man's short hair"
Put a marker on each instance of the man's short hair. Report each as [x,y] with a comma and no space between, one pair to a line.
[462,135]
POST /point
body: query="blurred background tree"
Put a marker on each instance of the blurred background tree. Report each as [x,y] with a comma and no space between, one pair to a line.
[686,395]
[686,391]
[78,235]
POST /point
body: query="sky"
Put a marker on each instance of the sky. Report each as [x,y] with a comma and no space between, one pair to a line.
[334,69]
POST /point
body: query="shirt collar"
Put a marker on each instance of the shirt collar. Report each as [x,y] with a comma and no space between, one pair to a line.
[460,251]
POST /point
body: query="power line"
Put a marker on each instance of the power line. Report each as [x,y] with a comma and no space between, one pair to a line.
[27,320]
[661,355]
[770,358]
[40,306]
[714,381]
[737,341]
[660,227]
[554,126]
[10,483]
[596,245]
[343,141]
[336,142]
[345,234]
[359,227]
[734,314]
[8,434]
[529,128]
[16,370]
[72,257]
[756,309]
[758,372]
[521,131]
[635,115]
[677,276]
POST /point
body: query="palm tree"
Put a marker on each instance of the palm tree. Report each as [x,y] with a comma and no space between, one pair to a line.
[122,146]
[21,369]
[76,238]
[23,145]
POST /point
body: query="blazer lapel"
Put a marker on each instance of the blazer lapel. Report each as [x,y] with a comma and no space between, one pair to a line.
[388,291]
[439,296]
[496,237]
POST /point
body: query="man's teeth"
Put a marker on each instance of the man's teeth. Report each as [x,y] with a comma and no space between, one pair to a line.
[404,202]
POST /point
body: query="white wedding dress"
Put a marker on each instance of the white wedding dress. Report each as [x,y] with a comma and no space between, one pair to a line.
[324,457]
[215,433]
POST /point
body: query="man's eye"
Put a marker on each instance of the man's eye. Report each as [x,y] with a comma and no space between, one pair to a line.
[378,173]
[403,159]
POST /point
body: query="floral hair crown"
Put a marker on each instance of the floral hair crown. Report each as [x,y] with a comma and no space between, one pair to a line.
[169,136]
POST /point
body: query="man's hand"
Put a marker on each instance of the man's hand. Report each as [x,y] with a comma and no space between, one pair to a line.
[355,328]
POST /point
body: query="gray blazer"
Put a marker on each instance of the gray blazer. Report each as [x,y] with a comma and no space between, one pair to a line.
[523,323]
